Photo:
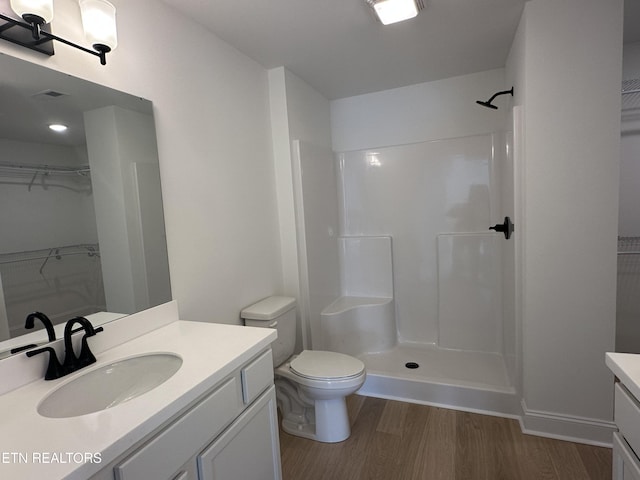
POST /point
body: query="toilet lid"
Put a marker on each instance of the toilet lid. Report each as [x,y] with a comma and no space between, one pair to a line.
[326,365]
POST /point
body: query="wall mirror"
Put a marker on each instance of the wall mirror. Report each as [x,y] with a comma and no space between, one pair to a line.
[81,210]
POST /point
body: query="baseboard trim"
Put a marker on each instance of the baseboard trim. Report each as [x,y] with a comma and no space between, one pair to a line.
[492,402]
[566,427]
[456,397]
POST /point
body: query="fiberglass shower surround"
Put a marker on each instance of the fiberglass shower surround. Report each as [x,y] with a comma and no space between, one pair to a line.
[428,319]
[435,200]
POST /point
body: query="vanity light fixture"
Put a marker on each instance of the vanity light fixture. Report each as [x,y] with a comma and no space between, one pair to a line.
[393,11]
[98,21]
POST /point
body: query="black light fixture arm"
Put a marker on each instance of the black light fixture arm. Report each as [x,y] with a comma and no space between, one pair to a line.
[100,50]
[40,37]
[36,22]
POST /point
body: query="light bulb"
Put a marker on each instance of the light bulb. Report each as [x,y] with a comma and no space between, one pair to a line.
[28,9]
[99,23]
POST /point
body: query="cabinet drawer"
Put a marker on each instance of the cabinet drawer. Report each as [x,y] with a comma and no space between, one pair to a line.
[627,416]
[166,453]
[257,376]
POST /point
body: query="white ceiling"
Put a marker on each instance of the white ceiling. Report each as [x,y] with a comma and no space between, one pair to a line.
[339,47]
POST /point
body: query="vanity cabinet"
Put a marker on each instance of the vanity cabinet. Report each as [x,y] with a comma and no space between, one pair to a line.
[230,433]
[241,452]
[626,442]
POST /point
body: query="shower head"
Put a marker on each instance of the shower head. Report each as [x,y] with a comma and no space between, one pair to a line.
[488,103]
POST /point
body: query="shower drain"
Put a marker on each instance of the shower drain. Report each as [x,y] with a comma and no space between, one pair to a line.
[411,365]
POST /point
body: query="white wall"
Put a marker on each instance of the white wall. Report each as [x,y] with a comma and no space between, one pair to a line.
[298,112]
[121,143]
[515,75]
[153,238]
[108,173]
[281,144]
[212,121]
[419,113]
[317,214]
[570,201]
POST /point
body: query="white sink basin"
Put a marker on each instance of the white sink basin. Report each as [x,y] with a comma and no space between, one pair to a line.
[110,385]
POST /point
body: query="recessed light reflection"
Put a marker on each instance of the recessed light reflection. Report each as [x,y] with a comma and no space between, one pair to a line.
[373,160]
[58,127]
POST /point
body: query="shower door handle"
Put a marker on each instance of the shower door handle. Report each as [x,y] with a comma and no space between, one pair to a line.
[506,227]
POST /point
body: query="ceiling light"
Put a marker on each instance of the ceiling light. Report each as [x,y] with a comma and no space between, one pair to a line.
[58,127]
[98,20]
[392,11]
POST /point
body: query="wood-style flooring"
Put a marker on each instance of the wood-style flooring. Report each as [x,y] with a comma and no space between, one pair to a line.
[393,440]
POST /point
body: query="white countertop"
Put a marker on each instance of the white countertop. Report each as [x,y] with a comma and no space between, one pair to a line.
[209,352]
[626,366]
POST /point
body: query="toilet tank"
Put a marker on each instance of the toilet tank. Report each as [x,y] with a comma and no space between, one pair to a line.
[279,313]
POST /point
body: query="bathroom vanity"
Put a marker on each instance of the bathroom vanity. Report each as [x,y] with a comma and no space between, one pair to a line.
[215,417]
[626,441]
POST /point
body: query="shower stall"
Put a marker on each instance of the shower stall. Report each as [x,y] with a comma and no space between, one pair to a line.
[399,266]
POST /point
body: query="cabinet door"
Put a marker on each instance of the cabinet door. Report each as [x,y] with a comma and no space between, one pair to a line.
[161,458]
[187,472]
[626,465]
[249,449]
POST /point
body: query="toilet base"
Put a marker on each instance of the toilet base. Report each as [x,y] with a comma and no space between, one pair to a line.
[324,421]
[329,422]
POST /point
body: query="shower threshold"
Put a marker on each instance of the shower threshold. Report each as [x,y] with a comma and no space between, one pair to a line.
[457,379]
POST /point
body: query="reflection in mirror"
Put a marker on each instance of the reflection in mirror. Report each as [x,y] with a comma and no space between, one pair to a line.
[81,218]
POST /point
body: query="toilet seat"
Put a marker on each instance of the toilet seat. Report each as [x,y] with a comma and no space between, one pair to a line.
[321,365]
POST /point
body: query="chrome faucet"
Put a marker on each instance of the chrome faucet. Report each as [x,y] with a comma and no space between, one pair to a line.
[71,362]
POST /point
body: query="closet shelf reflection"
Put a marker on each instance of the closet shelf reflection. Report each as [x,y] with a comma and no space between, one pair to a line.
[17,170]
[29,169]
[89,249]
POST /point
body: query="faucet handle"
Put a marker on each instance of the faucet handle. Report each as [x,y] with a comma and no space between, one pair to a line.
[86,357]
[71,362]
[54,369]
[23,348]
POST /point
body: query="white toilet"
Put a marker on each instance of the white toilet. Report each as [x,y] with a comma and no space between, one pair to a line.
[310,387]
